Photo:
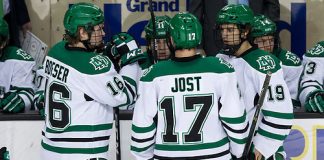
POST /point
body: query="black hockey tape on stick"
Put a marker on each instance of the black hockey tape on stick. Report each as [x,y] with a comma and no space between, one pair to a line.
[118,150]
[154,30]
[256,116]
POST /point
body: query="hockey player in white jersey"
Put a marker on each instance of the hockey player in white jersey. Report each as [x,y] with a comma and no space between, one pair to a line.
[263,33]
[189,106]
[312,81]
[16,87]
[251,65]
[157,38]
[82,87]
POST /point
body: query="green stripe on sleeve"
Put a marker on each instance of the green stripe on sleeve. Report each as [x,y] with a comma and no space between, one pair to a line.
[130,81]
[39,92]
[278,115]
[75,150]
[238,141]
[271,135]
[143,129]
[83,128]
[133,148]
[235,120]
[192,147]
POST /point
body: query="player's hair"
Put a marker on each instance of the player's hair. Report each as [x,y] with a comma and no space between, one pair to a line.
[73,39]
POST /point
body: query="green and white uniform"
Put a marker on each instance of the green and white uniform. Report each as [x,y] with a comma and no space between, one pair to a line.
[16,74]
[292,69]
[313,75]
[276,116]
[189,108]
[81,90]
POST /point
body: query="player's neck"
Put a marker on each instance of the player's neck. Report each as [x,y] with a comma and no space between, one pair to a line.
[185,53]
[244,47]
[78,45]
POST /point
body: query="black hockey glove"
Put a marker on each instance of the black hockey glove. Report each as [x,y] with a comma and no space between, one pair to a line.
[123,47]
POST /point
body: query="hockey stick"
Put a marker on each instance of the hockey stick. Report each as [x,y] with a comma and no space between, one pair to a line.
[154,31]
[256,115]
[116,117]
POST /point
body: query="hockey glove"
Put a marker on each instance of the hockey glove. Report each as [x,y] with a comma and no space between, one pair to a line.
[39,103]
[125,47]
[315,101]
[119,45]
[12,103]
[146,62]
[4,154]
[133,56]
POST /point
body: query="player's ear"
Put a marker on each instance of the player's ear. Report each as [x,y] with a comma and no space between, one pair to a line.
[83,34]
[245,32]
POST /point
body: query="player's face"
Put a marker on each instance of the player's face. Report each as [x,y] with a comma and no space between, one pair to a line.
[230,34]
[97,35]
[163,51]
[265,43]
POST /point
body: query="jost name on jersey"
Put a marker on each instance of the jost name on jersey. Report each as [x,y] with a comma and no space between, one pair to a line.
[183,84]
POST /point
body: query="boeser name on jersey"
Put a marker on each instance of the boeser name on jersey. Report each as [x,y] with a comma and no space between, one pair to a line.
[186,84]
[57,71]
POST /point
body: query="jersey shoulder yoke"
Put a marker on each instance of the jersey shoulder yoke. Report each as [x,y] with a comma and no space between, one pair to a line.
[262,61]
[82,61]
[316,51]
[15,53]
[199,65]
[288,58]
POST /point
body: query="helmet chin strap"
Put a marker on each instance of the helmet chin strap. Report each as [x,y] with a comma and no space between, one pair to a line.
[232,49]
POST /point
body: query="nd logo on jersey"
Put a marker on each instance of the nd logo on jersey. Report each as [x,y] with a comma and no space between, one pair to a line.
[317,50]
[99,62]
[23,54]
[222,61]
[266,63]
[290,56]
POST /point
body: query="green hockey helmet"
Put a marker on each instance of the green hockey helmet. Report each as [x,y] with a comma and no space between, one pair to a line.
[4,29]
[235,14]
[82,14]
[185,31]
[162,26]
[262,26]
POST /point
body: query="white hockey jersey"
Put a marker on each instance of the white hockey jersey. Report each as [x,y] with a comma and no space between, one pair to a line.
[292,69]
[189,108]
[16,74]
[81,90]
[276,116]
[313,75]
